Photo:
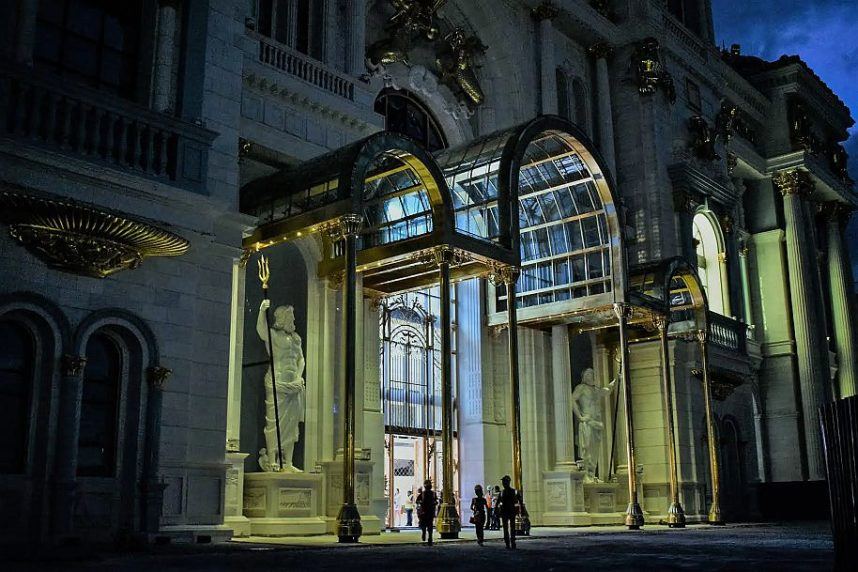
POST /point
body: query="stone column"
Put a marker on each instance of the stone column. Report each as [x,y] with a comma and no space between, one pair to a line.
[747,314]
[813,374]
[840,291]
[25,32]
[68,431]
[357,37]
[561,375]
[165,48]
[153,488]
[543,14]
[448,517]
[349,526]
[604,119]
[725,283]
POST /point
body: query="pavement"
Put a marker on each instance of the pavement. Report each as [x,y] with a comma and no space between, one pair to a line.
[782,547]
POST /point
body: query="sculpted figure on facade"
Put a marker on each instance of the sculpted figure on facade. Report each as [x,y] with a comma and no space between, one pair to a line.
[412,20]
[587,402]
[651,73]
[456,64]
[288,358]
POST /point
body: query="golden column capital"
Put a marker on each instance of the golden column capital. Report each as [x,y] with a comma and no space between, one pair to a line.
[157,376]
[793,182]
[702,335]
[72,365]
[443,255]
[622,310]
[836,211]
[349,225]
[660,321]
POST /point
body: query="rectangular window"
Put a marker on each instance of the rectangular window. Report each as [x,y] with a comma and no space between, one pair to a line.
[692,95]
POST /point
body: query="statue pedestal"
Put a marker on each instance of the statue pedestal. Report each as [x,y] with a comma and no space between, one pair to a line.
[564,499]
[569,501]
[234,497]
[371,510]
[284,504]
[602,506]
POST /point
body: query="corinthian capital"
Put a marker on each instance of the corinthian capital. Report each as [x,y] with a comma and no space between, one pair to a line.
[158,376]
[835,211]
[793,182]
[73,365]
[350,224]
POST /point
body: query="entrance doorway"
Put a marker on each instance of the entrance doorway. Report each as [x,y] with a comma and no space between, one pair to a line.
[411,399]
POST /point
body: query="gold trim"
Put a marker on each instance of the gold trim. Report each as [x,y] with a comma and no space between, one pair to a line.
[82,239]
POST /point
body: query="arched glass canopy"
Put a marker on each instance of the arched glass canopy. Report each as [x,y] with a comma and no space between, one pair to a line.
[671,287]
[546,179]
[400,193]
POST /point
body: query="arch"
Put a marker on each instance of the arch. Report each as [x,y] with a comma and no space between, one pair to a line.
[673,287]
[581,103]
[42,309]
[508,175]
[124,323]
[299,200]
[710,248]
[391,102]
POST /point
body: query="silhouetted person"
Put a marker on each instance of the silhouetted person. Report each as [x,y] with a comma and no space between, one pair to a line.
[478,508]
[508,509]
[427,501]
[496,494]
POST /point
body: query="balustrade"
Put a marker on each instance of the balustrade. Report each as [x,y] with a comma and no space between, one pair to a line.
[728,333]
[99,127]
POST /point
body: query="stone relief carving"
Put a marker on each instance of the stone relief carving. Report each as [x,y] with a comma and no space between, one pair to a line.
[702,139]
[415,27]
[288,358]
[295,499]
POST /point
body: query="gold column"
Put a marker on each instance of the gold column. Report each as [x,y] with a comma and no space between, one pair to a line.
[712,436]
[349,526]
[448,523]
[509,275]
[675,513]
[634,514]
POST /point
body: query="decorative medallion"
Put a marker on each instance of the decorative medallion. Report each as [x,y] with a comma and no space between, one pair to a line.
[82,239]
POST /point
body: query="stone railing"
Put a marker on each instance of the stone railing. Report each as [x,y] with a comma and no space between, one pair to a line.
[728,333]
[37,109]
[304,68]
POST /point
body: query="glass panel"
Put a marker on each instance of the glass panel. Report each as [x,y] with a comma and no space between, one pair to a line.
[99,410]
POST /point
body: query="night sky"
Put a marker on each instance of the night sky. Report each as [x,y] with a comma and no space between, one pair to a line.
[823,32]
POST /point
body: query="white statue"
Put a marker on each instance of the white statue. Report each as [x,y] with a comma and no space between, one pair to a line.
[289,378]
[587,402]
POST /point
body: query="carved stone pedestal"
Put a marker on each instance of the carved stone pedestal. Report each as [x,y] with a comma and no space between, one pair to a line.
[284,504]
[564,499]
[234,495]
[371,510]
[601,502]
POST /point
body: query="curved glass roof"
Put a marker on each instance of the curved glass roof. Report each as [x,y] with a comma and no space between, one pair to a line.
[565,227]
[671,283]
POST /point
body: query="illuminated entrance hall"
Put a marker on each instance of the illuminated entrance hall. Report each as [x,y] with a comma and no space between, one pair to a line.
[411,400]
[416,365]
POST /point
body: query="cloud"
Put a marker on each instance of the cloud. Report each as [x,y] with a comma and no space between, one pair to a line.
[822,32]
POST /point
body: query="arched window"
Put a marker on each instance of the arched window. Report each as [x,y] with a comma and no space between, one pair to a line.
[17,354]
[403,113]
[564,109]
[579,93]
[710,261]
[99,413]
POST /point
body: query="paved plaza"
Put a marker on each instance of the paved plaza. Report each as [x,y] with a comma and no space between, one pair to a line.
[805,546]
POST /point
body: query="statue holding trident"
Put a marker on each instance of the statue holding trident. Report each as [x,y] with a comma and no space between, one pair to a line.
[284,381]
[587,405]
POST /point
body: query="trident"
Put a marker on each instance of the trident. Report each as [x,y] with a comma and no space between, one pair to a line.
[264,276]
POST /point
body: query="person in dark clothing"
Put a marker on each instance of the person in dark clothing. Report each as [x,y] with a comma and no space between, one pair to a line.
[478,508]
[495,509]
[509,501]
[427,501]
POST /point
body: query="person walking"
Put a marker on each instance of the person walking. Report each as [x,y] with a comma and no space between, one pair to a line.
[496,502]
[478,510]
[409,507]
[509,508]
[427,502]
[489,507]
